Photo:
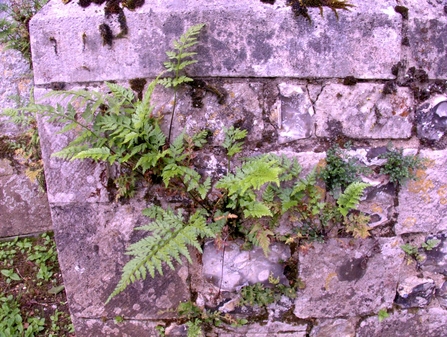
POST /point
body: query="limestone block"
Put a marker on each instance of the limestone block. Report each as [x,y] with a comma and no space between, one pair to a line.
[427,25]
[347,277]
[431,119]
[363,111]
[296,110]
[423,322]
[334,327]
[415,292]
[15,80]
[91,240]
[241,106]
[68,181]
[267,329]
[246,39]
[435,259]
[23,207]
[423,203]
[233,268]
[87,327]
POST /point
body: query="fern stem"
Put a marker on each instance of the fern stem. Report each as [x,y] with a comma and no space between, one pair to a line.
[172,116]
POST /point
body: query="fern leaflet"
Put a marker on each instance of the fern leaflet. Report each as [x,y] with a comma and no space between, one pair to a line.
[351,197]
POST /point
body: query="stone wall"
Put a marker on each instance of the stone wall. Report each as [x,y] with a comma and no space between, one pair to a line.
[23,207]
[371,77]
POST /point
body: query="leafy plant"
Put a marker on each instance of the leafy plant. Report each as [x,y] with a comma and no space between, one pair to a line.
[10,275]
[197,318]
[430,244]
[20,299]
[400,168]
[180,58]
[340,170]
[248,200]
[168,240]
[382,314]
[14,27]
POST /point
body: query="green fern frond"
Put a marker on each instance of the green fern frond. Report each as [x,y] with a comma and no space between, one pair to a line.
[232,142]
[257,209]
[351,197]
[252,175]
[101,153]
[69,152]
[260,237]
[169,238]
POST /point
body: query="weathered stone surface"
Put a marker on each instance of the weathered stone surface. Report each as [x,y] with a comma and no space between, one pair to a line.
[23,207]
[415,292]
[88,327]
[427,39]
[423,203]
[69,181]
[295,116]
[15,80]
[241,105]
[233,268]
[431,322]
[442,295]
[245,39]
[266,329]
[435,259]
[346,277]
[91,239]
[334,327]
[363,111]
[431,119]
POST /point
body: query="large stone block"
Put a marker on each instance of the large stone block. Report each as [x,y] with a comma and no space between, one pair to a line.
[246,39]
[91,240]
[363,111]
[23,207]
[427,24]
[15,81]
[423,202]
[347,277]
[431,322]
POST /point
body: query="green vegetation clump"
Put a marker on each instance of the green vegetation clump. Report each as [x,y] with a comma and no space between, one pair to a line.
[14,27]
[32,297]
[400,168]
[340,170]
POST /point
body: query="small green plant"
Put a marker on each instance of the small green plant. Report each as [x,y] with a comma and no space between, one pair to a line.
[382,314]
[400,168]
[10,275]
[411,251]
[340,170]
[430,244]
[14,27]
[262,295]
[197,318]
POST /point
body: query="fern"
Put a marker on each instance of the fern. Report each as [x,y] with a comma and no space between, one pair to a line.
[351,197]
[251,175]
[179,59]
[232,142]
[260,237]
[169,240]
